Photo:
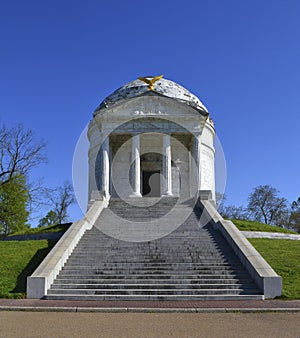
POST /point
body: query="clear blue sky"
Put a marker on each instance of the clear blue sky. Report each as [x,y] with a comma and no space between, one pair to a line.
[60,59]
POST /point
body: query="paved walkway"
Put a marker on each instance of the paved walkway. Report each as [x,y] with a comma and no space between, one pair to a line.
[53,324]
[270,235]
[46,318]
[150,306]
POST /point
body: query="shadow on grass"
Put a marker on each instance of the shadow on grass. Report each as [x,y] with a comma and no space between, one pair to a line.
[35,261]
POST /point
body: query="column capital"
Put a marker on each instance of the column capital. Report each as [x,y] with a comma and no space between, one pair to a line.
[135,133]
[197,134]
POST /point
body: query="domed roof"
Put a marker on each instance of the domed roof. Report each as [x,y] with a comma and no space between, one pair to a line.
[152,85]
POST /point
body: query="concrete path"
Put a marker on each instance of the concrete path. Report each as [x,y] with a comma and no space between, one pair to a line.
[149,306]
[53,324]
[270,235]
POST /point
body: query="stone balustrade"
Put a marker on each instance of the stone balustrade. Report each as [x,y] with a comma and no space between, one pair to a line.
[39,282]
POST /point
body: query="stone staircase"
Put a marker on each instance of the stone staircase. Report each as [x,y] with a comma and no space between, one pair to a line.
[191,263]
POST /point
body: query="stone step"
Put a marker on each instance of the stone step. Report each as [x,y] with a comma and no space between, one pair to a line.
[86,252]
[176,297]
[160,286]
[171,245]
[165,249]
[207,268]
[160,264]
[104,273]
[153,291]
[178,241]
[144,268]
[130,253]
[175,277]
[192,262]
[186,261]
[76,280]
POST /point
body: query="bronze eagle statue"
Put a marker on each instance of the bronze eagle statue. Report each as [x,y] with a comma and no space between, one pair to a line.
[151,82]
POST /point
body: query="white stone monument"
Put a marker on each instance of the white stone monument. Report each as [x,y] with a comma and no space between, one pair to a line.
[151,137]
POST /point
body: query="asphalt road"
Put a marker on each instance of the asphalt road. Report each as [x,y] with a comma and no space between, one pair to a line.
[64,324]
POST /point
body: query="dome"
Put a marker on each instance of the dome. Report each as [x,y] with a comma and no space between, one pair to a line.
[152,85]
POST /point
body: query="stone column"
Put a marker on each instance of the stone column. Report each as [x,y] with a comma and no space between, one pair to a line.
[167,165]
[136,166]
[105,168]
[197,153]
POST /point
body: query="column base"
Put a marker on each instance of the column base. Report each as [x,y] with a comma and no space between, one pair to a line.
[105,195]
[135,194]
[167,194]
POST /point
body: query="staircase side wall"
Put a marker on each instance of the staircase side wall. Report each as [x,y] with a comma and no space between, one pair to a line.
[262,273]
[39,282]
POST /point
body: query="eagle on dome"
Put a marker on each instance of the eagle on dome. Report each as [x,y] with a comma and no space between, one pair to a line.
[151,82]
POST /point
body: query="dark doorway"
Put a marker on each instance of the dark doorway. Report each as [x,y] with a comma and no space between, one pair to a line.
[151,183]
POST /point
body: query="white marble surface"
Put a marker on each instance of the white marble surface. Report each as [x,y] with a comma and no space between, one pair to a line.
[152,116]
[163,87]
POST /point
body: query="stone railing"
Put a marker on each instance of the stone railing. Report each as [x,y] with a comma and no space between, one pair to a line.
[39,282]
[261,272]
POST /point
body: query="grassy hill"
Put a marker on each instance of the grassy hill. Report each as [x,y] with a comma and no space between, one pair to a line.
[45,229]
[20,258]
[284,257]
[244,225]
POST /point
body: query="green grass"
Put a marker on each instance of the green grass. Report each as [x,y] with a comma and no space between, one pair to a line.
[257,226]
[45,229]
[284,257]
[19,259]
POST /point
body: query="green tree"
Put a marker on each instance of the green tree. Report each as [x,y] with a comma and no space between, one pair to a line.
[265,205]
[14,198]
[20,152]
[50,219]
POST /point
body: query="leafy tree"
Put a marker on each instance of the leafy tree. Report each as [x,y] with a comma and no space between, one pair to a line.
[50,219]
[60,199]
[295,215]
[13,201]
[265,205]
[20,152]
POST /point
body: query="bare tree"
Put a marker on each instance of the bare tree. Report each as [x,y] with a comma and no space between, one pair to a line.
[233,212]
[295,215]
[19,152]
[60,200]
[264,204]
[220,201]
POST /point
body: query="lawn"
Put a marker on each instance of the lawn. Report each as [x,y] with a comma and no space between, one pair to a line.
[18,260]
[284,257]
[257,226]
[44,229]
